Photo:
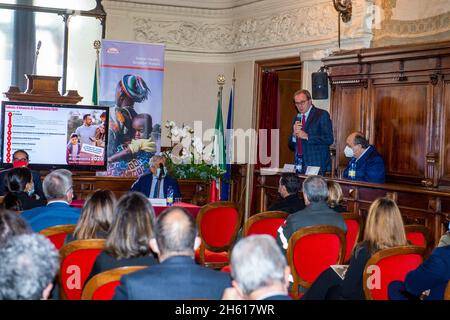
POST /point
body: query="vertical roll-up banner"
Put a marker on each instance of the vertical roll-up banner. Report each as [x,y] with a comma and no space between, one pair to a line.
[131,84]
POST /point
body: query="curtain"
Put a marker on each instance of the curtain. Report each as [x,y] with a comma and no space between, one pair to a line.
[24,46]
[268,119]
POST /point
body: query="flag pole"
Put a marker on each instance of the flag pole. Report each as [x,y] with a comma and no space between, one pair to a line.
[220,83]
[97,46]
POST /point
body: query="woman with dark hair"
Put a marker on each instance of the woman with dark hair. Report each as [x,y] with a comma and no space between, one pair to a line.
[128,242]
[96,217]
[20,195]
[11,224]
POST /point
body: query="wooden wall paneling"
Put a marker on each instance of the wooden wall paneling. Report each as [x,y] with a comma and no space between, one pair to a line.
[400,127]
[445,146]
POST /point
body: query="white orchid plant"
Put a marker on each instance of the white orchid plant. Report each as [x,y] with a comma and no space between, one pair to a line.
[188,157]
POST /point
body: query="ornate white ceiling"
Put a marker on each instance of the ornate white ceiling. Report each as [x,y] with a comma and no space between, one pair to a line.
[201,4]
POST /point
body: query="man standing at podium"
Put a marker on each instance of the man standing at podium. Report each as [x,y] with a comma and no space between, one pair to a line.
[312,134]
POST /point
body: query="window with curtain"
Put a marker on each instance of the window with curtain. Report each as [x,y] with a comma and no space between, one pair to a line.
[21,30]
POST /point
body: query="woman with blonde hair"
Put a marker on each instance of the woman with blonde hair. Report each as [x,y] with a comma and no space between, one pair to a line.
[384,229]
[335,197]
[96,216]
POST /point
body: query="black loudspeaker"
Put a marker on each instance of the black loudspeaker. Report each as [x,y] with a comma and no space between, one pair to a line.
[319,85]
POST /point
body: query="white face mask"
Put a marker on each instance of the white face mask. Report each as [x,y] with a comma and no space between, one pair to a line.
[348,152]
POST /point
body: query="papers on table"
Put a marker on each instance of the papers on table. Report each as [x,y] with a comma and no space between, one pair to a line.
[158,202]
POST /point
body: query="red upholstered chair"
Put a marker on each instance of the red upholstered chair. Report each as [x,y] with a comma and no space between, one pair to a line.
[218,224]
[266,222]
[420,236]
[57,234]
[389,265]
[227,268]
[311,250]
[77,259]
[354,226]
[103,285]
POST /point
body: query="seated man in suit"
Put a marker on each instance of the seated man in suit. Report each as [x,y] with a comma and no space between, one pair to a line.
[59,192]
[288,189]
[259,270]
[433,274]
[317,212]
[177,277]
[366,163]
[21,159]
[157,179]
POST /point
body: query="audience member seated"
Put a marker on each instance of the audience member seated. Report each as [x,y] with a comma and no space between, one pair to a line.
[96,217]
[29,263]
[20,195]
[367,163]
[177,276]
[11,224]
[335,197]
[21,159]
[288,189]
[128,243]
[59,193]
[157,179]
[317,212]
[259,270]
[384,229]
[433,274]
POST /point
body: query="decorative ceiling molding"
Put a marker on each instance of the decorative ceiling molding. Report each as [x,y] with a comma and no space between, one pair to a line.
[254,29]
[393,32]
[200,4]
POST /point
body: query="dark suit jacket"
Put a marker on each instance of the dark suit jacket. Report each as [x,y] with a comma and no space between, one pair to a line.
[36,180]
[54,214]
[317,213]
[105,262]
[176,278]
[369,168]
[433,273]
[290,204]
[316,150]
[144,183]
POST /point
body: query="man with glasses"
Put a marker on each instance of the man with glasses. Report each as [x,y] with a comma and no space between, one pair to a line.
[21,159]
[58,189]
[312,134]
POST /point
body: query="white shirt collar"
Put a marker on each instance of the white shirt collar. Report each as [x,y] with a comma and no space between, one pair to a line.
[363,153]
[306,114]
[58,201]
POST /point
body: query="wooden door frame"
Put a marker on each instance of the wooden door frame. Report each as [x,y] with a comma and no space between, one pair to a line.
[260,66]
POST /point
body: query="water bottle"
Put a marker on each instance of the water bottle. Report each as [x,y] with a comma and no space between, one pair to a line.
[352,170]
[170,196]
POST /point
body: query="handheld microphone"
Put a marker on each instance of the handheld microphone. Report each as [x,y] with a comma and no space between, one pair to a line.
[38,47]
[161,171]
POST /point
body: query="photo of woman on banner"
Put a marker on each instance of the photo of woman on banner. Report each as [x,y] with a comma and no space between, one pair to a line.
[130,143]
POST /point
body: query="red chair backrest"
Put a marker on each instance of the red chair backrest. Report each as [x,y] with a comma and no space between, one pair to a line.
[218,224]
[57,234]
[264,223]
[354,223]
[103,285]
[389,265]
[77,259]
[311,250]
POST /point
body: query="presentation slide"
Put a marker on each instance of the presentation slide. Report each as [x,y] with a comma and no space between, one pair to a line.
[55,134]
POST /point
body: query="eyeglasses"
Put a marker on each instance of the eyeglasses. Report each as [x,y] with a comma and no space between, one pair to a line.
[301,103]
[20,159]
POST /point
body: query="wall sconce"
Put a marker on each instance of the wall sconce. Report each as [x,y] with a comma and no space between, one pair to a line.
[344,7]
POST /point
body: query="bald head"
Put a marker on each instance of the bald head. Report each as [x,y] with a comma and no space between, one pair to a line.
[175,232]
[357,142]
